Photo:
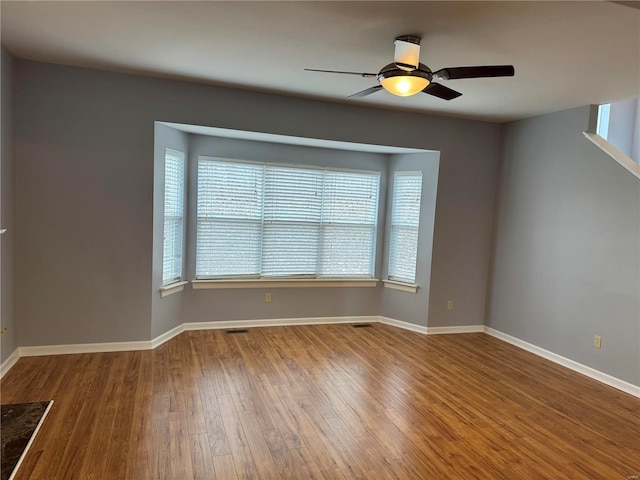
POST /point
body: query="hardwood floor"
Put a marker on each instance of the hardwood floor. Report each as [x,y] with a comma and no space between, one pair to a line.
[323,402]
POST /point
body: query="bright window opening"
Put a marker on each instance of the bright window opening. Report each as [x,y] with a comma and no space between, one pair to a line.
[174,174]
[603,120]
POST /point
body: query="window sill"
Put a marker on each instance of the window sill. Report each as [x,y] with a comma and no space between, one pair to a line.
[614,153]
[172,288]
[404,287]
[301,283]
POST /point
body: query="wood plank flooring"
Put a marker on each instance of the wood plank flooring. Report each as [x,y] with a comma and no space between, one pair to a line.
[323,402]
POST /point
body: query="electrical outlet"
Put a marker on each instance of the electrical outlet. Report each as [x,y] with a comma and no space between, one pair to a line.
[597,341]
[450,305]
[267,298]
[3,330]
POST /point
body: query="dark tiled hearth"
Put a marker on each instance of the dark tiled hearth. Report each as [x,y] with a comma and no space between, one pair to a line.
[18,423]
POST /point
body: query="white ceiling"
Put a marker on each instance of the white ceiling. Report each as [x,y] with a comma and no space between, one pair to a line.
[565,54]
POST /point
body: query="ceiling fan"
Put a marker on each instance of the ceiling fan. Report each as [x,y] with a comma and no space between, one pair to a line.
[406,76]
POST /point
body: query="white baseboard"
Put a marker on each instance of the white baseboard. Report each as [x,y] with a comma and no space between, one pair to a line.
[404,325]
[458,329]
[42,350]
[235,324]
[566,362]
[277,322]
[9,362]
[166,336]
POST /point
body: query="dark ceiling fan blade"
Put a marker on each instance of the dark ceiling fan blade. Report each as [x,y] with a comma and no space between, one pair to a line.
[366,92]
[441,91]
[365,75]
[453,73]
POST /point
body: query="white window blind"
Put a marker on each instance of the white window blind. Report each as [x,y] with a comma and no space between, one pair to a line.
[349,224]
[292,218]
[266,220]
[173,216]
[405,220]
[229,228]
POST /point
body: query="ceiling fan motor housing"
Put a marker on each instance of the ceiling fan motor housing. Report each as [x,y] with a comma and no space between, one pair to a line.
[407,52]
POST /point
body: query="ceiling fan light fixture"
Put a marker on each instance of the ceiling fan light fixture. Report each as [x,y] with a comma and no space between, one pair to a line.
[404,84]
[406,76]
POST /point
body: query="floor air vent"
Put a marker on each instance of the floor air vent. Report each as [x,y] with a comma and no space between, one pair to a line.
[233,332]
[362,325]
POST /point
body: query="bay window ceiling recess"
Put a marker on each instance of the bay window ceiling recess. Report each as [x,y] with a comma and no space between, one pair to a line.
[174,175]
[272,221]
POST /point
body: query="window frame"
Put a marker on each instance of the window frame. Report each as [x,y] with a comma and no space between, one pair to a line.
[395,281]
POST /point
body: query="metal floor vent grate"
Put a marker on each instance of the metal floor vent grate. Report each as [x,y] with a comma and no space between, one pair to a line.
[233,332]
[362,325]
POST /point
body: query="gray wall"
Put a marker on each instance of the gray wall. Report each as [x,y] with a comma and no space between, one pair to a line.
[84,192]
[84,189]
[396,304]
[167,312]
[7,205]
[463,227]
[566,262]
